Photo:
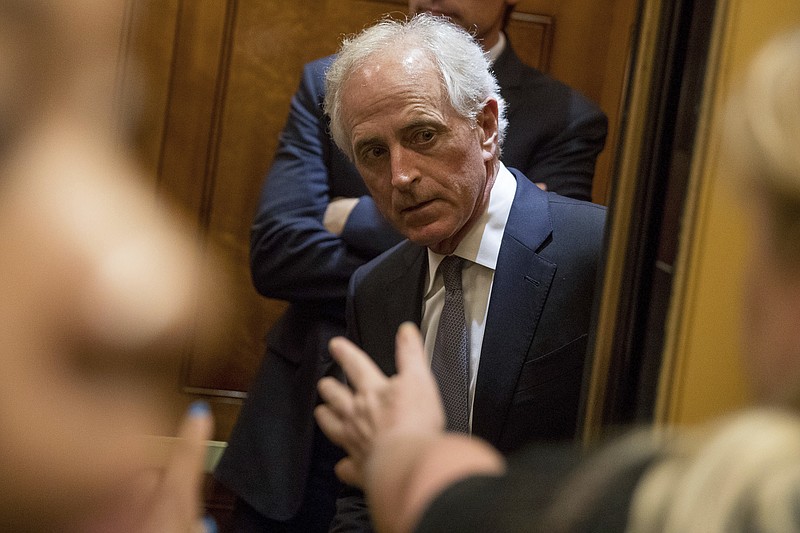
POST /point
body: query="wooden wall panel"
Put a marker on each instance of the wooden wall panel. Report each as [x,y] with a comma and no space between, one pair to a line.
[267,46]
[192,114]
[149,44]
[532,35]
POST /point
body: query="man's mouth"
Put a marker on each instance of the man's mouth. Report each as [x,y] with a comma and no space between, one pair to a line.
[415,207]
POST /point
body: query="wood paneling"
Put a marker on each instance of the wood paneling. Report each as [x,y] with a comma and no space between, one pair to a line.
[147,60]
[532,35]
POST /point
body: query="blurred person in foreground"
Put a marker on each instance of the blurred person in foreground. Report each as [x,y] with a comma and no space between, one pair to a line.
[317,223]
[741,474]
[99,291]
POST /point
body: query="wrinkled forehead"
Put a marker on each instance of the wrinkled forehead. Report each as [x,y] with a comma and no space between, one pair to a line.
[392,70]
[398,61]
[386,80]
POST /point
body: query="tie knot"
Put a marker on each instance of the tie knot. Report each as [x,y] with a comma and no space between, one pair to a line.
[450,268]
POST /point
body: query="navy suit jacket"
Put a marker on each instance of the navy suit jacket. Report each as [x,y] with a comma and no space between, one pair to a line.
[294,258]
[534,347]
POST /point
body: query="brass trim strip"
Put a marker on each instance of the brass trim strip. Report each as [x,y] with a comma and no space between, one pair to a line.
[620,219]
[706,152]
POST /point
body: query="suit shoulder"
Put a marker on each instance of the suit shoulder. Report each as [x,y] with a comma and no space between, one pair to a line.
[555,92]
[320,65]
[584,216]
[564,202]
[314,74]
[578,233]
[383,266]
[541,89]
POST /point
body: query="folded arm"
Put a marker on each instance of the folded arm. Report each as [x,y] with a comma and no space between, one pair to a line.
[295,253]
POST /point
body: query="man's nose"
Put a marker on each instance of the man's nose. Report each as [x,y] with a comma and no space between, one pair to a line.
[404,170]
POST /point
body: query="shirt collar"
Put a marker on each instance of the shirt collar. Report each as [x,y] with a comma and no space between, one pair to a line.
[482,242]
[495,51]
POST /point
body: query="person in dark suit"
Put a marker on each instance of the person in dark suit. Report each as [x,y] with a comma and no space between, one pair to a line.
[543,282]
[316,224]
[429,152]
[740,473]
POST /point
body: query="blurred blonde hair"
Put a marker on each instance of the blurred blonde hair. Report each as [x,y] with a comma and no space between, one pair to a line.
[744,476]
[762,138]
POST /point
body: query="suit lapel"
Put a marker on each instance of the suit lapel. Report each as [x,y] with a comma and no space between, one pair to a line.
[521,283]
[407,276]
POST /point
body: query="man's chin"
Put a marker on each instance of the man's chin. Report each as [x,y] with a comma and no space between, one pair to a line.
[424,239]
[440,245]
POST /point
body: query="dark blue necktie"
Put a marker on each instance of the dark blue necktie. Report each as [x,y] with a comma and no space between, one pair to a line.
[450,362]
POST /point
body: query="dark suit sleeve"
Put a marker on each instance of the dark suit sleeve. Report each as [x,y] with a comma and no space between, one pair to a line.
[566,162]
[545,489]
[352,513]
[293,257]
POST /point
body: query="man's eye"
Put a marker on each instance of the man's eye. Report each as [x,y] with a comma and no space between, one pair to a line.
[424,136]
[372,152]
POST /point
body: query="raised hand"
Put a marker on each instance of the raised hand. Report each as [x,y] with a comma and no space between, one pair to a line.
[376,406]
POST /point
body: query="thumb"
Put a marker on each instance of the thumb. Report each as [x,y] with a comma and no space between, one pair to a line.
[183,475]
[189,456]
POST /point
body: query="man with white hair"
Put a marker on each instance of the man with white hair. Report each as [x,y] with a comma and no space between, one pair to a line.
[415,105]
[316,223]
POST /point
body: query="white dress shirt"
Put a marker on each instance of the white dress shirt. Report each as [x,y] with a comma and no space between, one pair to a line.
[494,52]
[480,247]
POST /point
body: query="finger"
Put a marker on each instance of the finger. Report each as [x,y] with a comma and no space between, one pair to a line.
[349,472]
[185,468]
[330,424]
[360,369]
[337,395]
[342,432]
[206,524]
[410,349]
[362,423]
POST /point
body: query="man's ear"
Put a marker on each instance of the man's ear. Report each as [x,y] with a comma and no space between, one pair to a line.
[487,122]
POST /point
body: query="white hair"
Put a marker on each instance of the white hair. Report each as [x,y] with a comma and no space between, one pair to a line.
[464,68]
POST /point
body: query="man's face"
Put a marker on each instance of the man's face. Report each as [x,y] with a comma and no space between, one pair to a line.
[485,17]
[429,170]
